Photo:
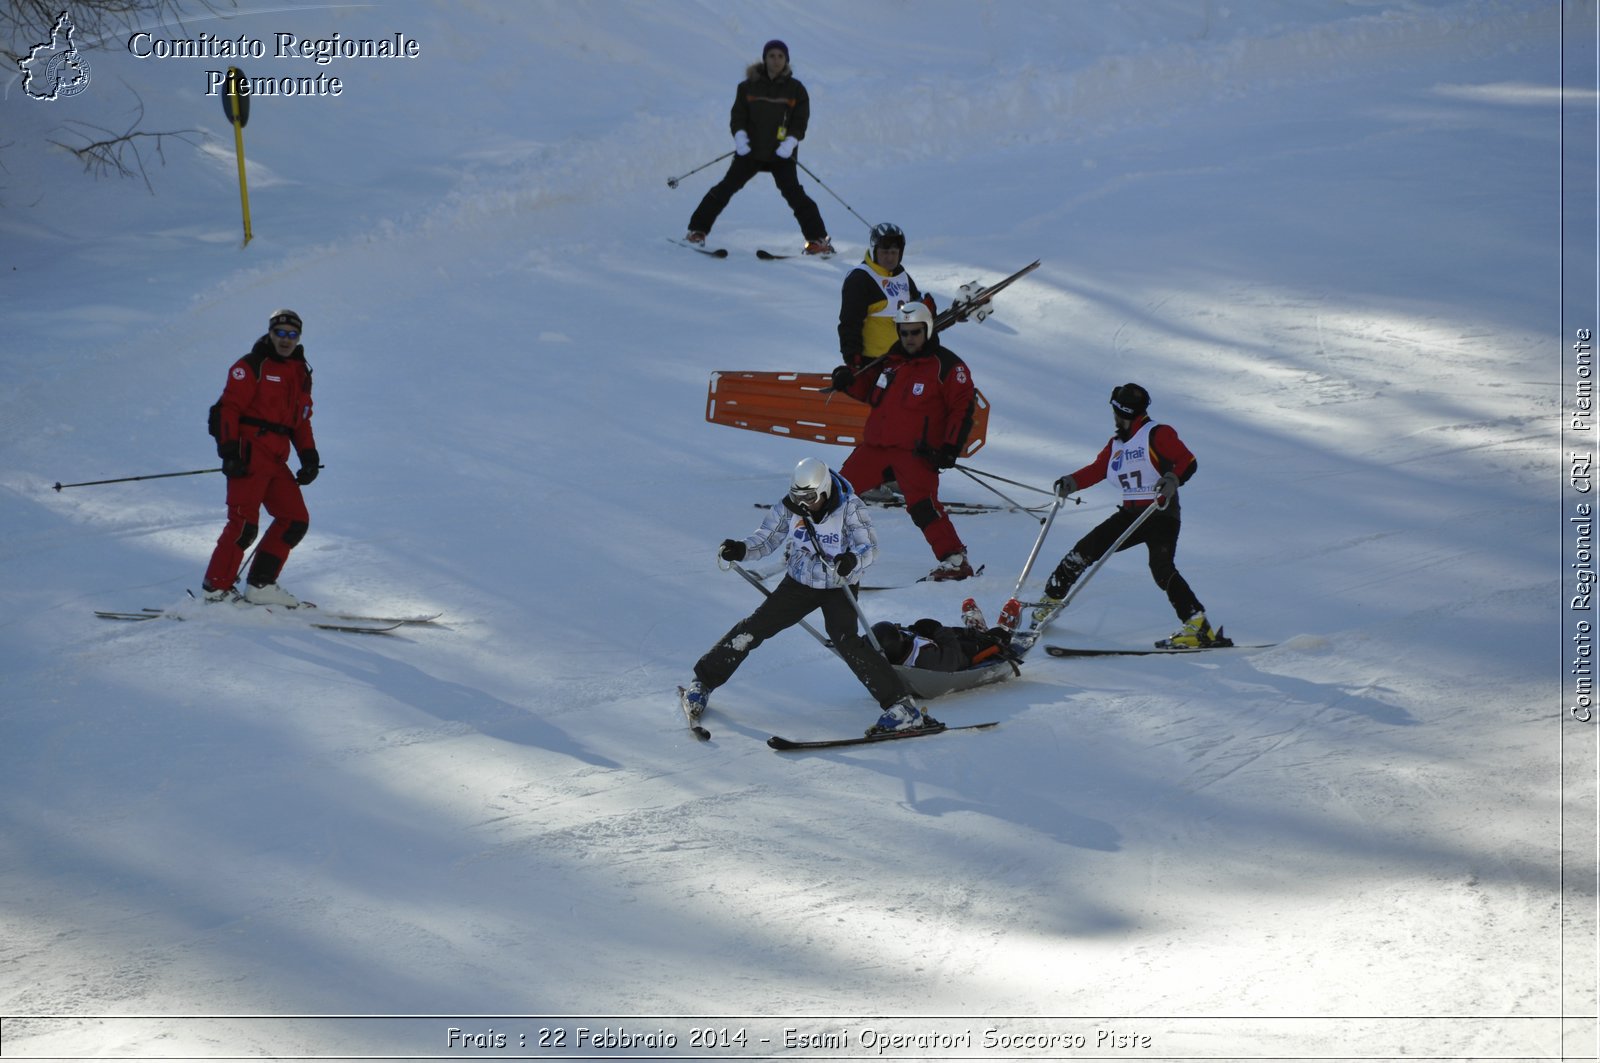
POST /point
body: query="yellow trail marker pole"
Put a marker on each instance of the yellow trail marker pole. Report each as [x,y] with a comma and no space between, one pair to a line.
[236,105]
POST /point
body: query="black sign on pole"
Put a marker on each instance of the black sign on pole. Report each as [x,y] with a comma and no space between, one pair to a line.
[235,103]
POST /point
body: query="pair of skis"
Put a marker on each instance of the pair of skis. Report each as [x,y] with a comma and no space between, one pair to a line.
[1155,651]
[693,715]
[761,253]
[353,623]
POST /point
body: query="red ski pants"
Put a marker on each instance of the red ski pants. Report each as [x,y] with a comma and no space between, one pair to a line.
[269,484]
[868,467]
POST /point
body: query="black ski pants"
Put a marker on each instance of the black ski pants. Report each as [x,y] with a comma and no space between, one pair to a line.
[1160,534]
[784,608]
[785,174]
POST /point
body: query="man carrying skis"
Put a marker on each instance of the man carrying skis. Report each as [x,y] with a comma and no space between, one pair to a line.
[871,295]
[1149,463]
[830,541]
[771,111]
[264,410]
[923,401]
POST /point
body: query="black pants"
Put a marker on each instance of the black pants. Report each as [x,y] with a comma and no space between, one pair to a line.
[1160,534]
[785,174]
[786,607]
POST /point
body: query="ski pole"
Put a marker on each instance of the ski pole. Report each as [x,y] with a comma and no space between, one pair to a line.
[672,182]
[832,193]
[906,697]
[1016,506]
[130,479]
[1027,566]
[1149,511]
[1014,483]
[871,639]
[762,587]
[1037,630]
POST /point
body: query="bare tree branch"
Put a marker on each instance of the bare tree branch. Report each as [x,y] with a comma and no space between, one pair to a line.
[103,152]
[118,154]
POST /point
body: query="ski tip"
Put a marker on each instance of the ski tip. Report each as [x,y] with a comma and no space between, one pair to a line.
[701,733]
[714,252]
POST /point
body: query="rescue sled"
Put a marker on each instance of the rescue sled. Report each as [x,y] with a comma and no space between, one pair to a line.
[928,684]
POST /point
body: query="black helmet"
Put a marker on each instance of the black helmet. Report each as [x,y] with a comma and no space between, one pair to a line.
[891,640]
[887,233]
[1130,400]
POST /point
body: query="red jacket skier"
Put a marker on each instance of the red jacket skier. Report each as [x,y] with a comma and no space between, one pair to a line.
[1149,463]
[922,400]
[265,410]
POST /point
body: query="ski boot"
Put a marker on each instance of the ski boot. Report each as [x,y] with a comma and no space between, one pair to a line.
[697,698]
[1057,586]
[1195,634]
[972,616]
[953,567]
[270,594]
[903,716]
[824,246]
[1010,615]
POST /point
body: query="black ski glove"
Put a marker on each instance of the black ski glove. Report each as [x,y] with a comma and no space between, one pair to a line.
[731,550]
[845,563]
[843,377]
[310,465]
[234,464]
[946,458]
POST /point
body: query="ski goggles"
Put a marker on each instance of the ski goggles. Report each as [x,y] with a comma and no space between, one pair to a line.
[804,496]
[286,333]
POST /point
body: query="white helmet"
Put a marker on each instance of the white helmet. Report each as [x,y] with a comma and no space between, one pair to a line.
[915,313]
[811,483]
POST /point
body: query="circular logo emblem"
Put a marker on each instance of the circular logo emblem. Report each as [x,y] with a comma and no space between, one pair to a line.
[58,70]
[238,372]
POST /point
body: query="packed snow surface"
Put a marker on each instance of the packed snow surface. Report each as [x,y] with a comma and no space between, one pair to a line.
[1322,234]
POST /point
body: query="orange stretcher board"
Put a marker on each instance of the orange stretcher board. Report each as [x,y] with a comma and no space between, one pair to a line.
[805,406]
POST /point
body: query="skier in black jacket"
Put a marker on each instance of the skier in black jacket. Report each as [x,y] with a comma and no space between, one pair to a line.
[770,113]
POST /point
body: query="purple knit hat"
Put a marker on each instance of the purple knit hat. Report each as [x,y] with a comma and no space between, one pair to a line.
[765,48]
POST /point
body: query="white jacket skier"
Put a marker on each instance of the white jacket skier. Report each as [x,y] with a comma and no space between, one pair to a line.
[815,543]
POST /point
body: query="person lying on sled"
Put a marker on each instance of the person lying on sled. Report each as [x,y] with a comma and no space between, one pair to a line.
[934,646]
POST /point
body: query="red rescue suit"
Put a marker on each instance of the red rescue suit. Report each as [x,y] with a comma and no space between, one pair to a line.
[922,409]
[266,408]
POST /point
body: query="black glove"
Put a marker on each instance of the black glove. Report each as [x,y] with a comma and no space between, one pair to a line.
[731,550]
[234,464]
[845,563]
[310,464]
[947,456]
[1065,486]
[843,377]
